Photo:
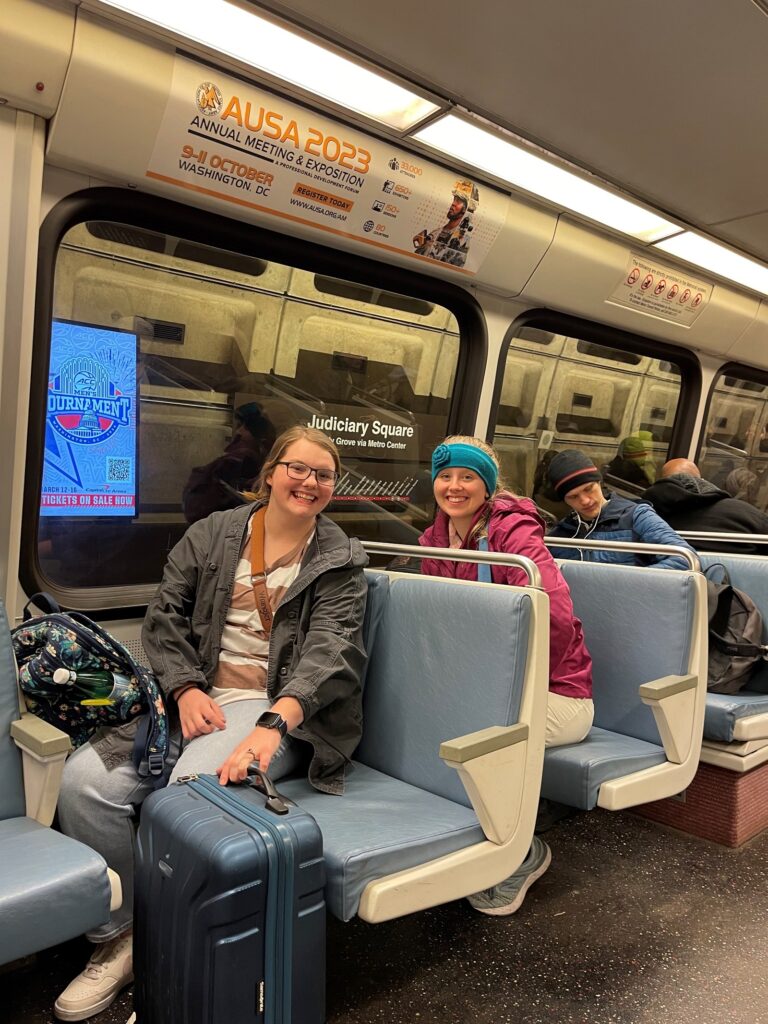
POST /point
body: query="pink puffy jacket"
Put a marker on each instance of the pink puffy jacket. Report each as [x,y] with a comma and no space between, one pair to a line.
[516,528]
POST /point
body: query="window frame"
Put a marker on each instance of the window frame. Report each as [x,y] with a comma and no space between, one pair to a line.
[731,369]
[612,337]
[157,214]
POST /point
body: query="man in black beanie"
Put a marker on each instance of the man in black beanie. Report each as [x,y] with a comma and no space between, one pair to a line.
[597,516]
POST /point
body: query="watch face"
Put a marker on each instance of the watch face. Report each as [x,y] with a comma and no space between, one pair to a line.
[271,720]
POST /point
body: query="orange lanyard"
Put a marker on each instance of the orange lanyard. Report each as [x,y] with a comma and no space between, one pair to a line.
[258,574]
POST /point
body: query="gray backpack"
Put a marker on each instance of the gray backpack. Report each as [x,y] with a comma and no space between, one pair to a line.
[735,635]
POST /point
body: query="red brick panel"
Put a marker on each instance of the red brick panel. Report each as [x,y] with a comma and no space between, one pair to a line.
[727,807]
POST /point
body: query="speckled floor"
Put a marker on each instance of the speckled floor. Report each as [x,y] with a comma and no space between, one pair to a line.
[633,924]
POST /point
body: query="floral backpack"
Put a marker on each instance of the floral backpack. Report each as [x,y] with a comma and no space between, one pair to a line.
[73,641]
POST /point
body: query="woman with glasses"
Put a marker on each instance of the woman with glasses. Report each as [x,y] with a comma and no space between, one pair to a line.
[255,635]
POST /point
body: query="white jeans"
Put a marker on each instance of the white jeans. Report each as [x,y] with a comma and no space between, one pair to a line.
[569,719]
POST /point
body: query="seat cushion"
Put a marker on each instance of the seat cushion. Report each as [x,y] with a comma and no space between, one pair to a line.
[574,772]
[52,888]
[637,624]
[378,595]
[725,710]
[426,683]
[379,826]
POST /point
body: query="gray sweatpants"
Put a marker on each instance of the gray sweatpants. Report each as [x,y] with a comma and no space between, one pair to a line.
[100,807]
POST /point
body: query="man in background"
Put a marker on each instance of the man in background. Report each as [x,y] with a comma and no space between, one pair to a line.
[688,502]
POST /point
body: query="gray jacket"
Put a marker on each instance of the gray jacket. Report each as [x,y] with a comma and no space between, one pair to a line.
[316,652]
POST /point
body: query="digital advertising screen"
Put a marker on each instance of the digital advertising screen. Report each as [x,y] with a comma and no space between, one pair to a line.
[89,466]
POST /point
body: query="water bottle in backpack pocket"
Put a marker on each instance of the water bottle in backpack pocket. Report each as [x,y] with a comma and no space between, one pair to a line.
[736,645]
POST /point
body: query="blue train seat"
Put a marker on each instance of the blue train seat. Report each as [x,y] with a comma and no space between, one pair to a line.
[443,796]
[52,888]
[646,632]
[736,725]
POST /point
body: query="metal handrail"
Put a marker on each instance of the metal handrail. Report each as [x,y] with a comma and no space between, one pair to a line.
[528,566]
[626,545]
[727,538]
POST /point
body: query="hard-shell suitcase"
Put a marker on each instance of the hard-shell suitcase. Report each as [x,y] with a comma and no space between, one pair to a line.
[229,908]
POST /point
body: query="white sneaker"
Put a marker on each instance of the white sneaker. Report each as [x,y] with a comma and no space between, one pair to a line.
[109,970]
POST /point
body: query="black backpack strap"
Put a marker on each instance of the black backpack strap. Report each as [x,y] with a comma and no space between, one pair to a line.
[150,746]
[710,571]
[42,600]
[718,623]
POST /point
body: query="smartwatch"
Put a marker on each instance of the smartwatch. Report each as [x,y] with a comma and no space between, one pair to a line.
[272,720]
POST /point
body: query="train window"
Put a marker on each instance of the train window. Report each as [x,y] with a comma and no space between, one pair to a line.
[588,348]
[744,385]
[733,455]
[537,336]
[372,296]
[173,366]
[617,406]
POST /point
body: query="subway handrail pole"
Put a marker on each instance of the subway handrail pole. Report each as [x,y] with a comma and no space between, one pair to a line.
[626,545]
[528,566]
[728,538]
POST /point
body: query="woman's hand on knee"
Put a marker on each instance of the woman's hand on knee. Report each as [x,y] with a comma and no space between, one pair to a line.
[259,746]
[199,714]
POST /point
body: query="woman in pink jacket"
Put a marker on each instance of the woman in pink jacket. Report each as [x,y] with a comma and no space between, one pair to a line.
[474,507]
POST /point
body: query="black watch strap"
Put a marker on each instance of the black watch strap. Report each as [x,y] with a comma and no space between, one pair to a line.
[272,720]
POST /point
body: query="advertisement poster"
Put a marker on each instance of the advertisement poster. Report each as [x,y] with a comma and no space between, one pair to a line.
[89,466]
[659,291]
[242,145]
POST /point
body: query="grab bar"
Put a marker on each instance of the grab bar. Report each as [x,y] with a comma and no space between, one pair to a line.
[626,545]
[528,566]
[727,538]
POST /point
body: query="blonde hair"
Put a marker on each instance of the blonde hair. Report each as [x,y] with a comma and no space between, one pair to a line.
[480,529]
[278,450]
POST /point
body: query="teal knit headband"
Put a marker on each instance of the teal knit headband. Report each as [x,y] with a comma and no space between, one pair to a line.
[465,456]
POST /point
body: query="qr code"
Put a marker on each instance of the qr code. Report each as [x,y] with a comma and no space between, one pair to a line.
[118,470]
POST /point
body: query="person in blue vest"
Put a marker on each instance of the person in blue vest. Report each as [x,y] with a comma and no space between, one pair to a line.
[597,515]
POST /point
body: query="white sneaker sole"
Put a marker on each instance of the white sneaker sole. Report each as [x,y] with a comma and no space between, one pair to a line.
[510,908]
[90,1011]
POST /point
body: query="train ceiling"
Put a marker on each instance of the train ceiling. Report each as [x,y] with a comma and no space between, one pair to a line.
[667,100]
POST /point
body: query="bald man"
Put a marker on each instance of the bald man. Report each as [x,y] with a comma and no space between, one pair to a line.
[689,502]
[675,466]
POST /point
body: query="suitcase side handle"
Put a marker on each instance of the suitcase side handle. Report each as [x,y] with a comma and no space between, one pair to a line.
[260,781]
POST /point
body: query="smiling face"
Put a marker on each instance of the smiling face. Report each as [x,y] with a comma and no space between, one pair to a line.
[587,500]
[459,493]
[301,498]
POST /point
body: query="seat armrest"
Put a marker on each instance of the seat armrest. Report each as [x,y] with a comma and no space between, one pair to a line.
[491,765]
[667,686]
[44,750]
[673,702]
[475,744]
[32,733]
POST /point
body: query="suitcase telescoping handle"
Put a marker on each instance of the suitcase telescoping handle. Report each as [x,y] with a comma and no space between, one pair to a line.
[259,780]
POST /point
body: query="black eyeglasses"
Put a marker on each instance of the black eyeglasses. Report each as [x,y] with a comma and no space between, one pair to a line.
[300,471]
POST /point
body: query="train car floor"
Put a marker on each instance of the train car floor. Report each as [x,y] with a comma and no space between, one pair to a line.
[634,923]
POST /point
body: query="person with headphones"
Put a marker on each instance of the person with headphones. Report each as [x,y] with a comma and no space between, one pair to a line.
[596,515]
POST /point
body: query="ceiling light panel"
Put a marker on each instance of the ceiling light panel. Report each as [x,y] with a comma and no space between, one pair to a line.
[480,148]
[718,259]
[253,40]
